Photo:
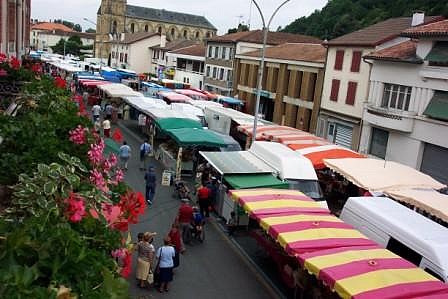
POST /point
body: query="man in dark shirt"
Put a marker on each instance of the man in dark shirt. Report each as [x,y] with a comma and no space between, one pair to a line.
[150,179]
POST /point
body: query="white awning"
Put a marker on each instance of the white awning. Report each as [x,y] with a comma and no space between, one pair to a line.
[241,162]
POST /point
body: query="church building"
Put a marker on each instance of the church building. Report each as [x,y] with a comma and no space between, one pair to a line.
[116,16]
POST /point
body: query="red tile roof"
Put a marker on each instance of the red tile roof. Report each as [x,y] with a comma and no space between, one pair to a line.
[403,52]
[175,45]
[430,30]
[195,50]
[50,27]
[296,52]
[130,38]
[378,33]
[274,38]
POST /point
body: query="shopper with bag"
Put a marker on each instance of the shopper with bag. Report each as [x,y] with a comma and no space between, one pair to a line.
[165,263]
[145,153]
[145,251]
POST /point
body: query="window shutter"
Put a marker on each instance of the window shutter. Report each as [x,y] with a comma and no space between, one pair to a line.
[335,89]
[351,93]
[339,60]
[356,61]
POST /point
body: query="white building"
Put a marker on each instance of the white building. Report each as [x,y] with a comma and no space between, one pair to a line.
[346,81]
[45,35]
[406,117]
[221,52]
[189,65]
[132,51]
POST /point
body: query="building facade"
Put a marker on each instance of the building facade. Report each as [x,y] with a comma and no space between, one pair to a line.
[116,16]
[189,65]
[15,27]
[346,83]
[291,86]
[133,51]
[406,117]
[221,51]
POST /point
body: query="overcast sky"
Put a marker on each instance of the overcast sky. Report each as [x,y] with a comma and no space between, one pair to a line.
[223,14]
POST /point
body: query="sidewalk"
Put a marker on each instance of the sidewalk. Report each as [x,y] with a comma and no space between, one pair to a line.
[214,269]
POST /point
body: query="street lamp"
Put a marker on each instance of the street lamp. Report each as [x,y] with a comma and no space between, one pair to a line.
[260,69]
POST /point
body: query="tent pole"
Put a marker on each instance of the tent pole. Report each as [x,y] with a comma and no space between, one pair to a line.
[179,164]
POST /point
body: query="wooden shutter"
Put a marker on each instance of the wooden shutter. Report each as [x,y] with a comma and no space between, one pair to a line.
[335,89]
[356,61]
[339,60]
[351,93]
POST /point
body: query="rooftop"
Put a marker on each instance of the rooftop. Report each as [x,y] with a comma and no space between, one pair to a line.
[50,27]
[274,38]
[194,50]
[296,52]
[436,29]
[378,33]
[166,16]
[404,52]
[175,45]
[130,38]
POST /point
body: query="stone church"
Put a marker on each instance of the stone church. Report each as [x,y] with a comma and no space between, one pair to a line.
[116,16]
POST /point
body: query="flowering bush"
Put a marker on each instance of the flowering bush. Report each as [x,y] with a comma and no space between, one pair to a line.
[11,70]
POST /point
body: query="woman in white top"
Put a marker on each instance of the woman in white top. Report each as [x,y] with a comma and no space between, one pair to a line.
[165,256]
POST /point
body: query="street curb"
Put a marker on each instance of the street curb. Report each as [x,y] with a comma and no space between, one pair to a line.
[261,277]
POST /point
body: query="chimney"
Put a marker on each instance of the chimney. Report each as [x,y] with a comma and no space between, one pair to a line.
[418,18]
[162,40]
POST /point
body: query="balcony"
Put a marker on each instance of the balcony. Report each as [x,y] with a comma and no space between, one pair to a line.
[390,119]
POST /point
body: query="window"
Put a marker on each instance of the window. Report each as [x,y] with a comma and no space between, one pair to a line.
[351,93]
[197,34]
[159,30]
[356,61]
[173,31]
[114,27]
[185,33]
[214,73]
[132,28]
[378,143]
[229,75]
[208,71]
[210,51]
[339,61]
[126,58]
[216,52]
[121,57]
[396,97]
[221,74]
[113,54]
[146,28]
[223,54]
[335,90]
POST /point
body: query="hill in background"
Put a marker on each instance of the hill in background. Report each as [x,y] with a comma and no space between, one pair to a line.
[340,17]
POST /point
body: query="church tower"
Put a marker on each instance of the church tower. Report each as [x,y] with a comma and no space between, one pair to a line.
[111,18]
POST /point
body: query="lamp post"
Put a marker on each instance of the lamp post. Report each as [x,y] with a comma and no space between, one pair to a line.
[260,69]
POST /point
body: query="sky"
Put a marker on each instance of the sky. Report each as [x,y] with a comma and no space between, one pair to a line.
[224,14]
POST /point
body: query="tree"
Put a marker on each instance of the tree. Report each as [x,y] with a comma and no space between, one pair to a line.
[90,30]
[241,27]
[72,46]
[77,28]
[71,25]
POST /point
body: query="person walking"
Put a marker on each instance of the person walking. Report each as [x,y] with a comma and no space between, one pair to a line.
[145,151]
[96,111]
[106,128]
[204,200]
[108,111]
[165,256]
[150,180]
[145,258]
[176,242]
[125,154]
[185,215]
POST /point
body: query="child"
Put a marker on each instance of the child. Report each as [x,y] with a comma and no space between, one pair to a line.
[232,224]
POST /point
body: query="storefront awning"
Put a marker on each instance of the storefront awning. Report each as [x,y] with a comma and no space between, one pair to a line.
[438,106]
[245,181]
[438,54]
[196,137]
[241,162]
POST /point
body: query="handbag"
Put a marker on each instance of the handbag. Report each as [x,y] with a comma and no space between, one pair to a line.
[150,278]
[156,274]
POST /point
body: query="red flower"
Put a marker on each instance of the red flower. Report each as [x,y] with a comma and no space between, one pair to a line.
[75,207]
[36,68]
[14,63]
[3,57]
[59,82]
[131,205]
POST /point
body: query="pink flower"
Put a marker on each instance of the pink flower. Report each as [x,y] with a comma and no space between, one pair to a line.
[107,166]
[3,73]
[3,57]
[113,159]
[75,207]
[95,153]
[98,180]
[119,176]
[78,135]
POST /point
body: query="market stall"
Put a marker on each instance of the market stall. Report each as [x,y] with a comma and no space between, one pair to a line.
[151,89]
[230,102]
[195,95]
[173,97]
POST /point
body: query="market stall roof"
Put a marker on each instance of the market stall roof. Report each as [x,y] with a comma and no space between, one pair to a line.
[192,94]
[259,202]
[245,181]
[117,90]
[232,144]
[187,108]
[264,131]
[229,101]
[170,123]
[90,77]
[196,136]
[317,153]
[429,200]
[202,104]
[157,113]
[241,162]
[237,116]
[371,272]
[111,147]
[381,175]
[174,96]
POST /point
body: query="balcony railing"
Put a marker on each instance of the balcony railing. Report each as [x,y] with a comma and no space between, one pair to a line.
[390,118]
[189,71]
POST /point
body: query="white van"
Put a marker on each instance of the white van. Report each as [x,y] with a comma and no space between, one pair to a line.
[290,166]
[401,230]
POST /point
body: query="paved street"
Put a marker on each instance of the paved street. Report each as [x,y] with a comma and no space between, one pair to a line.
[214,269]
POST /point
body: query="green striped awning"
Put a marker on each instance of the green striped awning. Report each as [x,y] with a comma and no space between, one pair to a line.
[438,106]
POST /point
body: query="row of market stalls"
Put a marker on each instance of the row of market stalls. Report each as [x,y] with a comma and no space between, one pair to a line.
[314,243]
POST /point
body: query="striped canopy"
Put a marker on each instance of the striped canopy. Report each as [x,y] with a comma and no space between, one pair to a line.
[258,202]
[370,272]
